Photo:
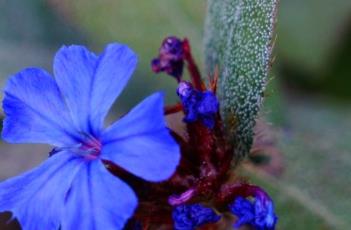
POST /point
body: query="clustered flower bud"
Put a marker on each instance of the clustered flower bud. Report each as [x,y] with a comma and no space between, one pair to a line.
[198,105]
[204,180]
[170,59]
[188,217]
[256,209]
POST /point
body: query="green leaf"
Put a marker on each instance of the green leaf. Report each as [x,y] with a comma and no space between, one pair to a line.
[310,32]
[238,39]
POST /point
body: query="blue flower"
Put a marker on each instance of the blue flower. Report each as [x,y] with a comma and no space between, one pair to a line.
[73,189]
[244,210]
[258,213]
[188,217]
[170,59]
[265,216]
[198,105]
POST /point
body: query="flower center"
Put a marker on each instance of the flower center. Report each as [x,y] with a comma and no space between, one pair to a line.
[91,147]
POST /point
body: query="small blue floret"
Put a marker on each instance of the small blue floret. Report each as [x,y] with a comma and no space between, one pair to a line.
[188,217]
[265,216]
[244,210]
[258,213]
[198,105]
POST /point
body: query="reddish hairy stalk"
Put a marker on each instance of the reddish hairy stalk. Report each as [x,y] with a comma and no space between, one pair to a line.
[213,81]
[173,108]
[229,191]
[192,67]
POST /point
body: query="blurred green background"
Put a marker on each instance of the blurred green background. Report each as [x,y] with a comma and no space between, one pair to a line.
[308,99]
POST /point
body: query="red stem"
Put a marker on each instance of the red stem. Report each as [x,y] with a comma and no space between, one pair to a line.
[192,67]
[230,191]
[169,109]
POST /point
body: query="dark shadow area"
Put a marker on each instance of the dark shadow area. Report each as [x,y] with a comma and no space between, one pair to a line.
[334,81]
[6,223]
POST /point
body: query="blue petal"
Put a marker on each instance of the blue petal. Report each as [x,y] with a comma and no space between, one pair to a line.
[74,68]
[116,66]
[35,111]
[191,216]
[90,84]
[98,200]
[36,198]
[141,143]
[209,104]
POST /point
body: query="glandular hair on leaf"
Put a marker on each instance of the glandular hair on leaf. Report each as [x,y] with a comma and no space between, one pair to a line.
[238,39]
